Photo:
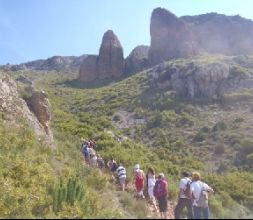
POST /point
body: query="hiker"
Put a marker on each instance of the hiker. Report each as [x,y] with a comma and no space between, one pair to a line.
[161,194]
[85,151]
[82,141]
[92,144]
[121,174]
[200,193]
[100,161]
[93,160]
[184,196]
[139,180]
[112,165]
[151,180]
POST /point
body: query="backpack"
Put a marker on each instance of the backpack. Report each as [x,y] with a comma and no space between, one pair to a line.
[86,151]
[160,189]
[101,163]
[187,191]
[203,199]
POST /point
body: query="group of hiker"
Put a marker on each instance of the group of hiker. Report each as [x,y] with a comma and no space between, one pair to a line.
[88,151]
[193,193]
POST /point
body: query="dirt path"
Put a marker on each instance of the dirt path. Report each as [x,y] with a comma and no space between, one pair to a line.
[151,213]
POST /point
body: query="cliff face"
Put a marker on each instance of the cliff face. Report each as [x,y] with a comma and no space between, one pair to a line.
[14,108]
[201,79]
[110,59]
[174,37]
[108,64]
[89,69]
[137,60]
[171,37]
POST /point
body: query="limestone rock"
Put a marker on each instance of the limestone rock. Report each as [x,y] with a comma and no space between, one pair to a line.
[40,105]
[89,69]
[137,60]
[171,37]
[108,64]
[202,80]
[174,37]
[218,33]
[111,60]
[15,108]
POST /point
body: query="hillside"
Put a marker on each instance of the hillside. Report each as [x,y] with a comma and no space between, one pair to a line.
[188,111]
[142,119]
[57,63]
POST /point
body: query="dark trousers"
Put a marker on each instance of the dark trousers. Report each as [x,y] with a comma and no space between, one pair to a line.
[182,203]
[201,213]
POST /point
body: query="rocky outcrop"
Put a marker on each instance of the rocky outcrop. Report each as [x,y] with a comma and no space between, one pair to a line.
[108,64]
[174,37]
[110,59]
[89,69]
[171,37]
[14,108]
[217,33]
[202,79]
[39,104]
[137,60]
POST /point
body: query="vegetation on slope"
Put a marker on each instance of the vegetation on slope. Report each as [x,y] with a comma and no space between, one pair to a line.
[214,138]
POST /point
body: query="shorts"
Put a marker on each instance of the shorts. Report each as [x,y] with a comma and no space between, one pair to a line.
[122,181]
[163,204]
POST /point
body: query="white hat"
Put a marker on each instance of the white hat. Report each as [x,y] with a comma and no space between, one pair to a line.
[137,167]
[161,175]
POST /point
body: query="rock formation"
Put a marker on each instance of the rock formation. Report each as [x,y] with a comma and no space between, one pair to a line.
[217,33]
[40,106]
[202,79]
[171,37]
[109,63]
[89,69]
[110,59]
[14,108]
[137,60]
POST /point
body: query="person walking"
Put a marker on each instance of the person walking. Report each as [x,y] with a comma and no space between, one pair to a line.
[200,193]
[139,181]
[121,174]
[161,194]
[151,180]
[184,197]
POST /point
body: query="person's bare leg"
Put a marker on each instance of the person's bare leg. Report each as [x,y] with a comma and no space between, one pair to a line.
[154,204]
[165,215]
[161,214]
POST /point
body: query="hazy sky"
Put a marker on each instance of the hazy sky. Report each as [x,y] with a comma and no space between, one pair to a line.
[38,29]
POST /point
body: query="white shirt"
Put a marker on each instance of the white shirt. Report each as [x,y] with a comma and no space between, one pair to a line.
[121,172]
[151,180]
[182,187]
[196,188]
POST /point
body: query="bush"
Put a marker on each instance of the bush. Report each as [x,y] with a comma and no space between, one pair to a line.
[200,136]
[220,126]
[219,149]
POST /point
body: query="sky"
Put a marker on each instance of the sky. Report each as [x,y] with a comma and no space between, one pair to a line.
[39,29]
